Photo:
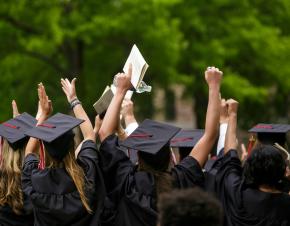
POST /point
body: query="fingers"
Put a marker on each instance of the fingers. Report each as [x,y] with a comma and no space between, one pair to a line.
[73,82]
[130,70]
[15,108]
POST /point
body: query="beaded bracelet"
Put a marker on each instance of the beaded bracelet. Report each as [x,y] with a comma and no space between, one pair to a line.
[74,103]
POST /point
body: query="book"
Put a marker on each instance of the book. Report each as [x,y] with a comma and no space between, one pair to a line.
[104,101]
[139,66]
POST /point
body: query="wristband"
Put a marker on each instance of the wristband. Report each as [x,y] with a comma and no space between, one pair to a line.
[74,103]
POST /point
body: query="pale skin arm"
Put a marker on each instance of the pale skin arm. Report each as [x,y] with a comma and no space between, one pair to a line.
[70,92]
[128,112]
[45,108]
[112,117]
[231,135]
[204,146]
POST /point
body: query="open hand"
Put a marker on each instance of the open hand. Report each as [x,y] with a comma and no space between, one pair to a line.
[15,109]
[45,105]
[213,76]
[69,89]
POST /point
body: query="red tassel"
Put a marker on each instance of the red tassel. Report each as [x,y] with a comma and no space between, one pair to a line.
[251,143]
[181,139]
[143,135]
[41,164]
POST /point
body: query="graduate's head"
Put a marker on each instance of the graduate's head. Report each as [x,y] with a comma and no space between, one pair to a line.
[189,207]
[58,139]
[264,166]
[269,134]
[12,143]
[152,140]
[185,140]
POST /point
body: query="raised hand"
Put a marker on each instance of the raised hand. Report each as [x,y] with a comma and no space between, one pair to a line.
[98,123]
[69,89]
[224,112]
[45,105]
[233,106]
[213,76]
[123,81]
[127,108]
[15,109]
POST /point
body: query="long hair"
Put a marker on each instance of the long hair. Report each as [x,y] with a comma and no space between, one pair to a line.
[158,165]
[74,170]
[10,173]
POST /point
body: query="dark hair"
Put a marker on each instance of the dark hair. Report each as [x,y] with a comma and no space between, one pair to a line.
[189,207]
[264,166]
[158,165]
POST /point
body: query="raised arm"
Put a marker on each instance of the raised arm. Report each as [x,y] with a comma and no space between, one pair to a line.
[231,135]
[127,113]
[44,110]
[200,152]
[223,126]
[70,92]
[112,117]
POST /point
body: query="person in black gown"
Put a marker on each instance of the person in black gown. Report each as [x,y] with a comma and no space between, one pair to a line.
[65,185]
[15,207]
[133,190]
[250,196]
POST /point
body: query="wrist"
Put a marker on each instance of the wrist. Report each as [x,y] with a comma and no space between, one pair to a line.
[233,114]
[71,99]
[130,118]
[121,91]
[74,103]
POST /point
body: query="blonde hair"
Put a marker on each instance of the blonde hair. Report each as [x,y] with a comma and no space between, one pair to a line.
[10,172]
[75,172]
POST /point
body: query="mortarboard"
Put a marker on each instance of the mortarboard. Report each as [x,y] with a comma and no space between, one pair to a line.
[186,138]
[56,134]
[14,129]
[271,133]
[150,137]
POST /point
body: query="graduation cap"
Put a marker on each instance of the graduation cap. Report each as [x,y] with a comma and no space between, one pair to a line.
[14,129]
[56,134]
[271,133]
[104,101]
[150,137]
[186,138]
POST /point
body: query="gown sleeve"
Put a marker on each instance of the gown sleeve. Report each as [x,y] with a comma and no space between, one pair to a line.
[188,173]
[30,165]
[88,159]
[115,164]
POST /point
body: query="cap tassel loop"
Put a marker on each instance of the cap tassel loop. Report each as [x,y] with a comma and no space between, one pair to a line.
[41,164]
[1,147]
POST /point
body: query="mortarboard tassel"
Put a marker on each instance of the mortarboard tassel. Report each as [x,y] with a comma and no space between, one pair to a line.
[251,143]
[181,139]
[41,164]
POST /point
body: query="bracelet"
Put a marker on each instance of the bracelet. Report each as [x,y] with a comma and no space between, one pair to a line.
[74,103]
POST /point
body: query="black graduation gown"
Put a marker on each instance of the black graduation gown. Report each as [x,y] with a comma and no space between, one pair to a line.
[53,193]
[245,206]
[131,197]
[9,218]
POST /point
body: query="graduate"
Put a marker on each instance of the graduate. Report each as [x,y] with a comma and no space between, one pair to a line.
[15,207]
[250,196]
[134,190]
[64,184]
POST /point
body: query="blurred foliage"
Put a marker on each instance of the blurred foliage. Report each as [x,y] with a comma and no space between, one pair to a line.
[44,40]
